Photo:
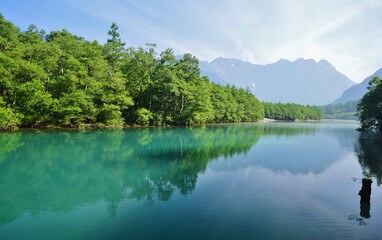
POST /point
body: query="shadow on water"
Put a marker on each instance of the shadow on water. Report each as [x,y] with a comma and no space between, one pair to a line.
[60,170]
[369,152]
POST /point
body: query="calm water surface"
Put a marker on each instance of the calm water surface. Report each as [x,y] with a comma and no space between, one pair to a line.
[261,181]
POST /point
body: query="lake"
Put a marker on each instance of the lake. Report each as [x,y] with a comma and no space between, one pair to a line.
[250,181]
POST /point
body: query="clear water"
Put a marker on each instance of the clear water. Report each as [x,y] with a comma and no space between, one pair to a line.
[261,181]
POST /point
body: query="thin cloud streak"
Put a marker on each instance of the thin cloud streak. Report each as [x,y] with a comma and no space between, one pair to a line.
[347,33]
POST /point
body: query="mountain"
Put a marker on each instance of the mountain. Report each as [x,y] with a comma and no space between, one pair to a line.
[303,81]
[211,74]
[357,91]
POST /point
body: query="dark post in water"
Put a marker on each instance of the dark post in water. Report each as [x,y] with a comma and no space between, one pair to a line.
[365,193]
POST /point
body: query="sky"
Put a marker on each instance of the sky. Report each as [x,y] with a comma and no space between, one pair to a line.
[347,33]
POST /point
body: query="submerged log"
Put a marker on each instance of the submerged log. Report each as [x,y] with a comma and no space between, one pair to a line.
[365,191]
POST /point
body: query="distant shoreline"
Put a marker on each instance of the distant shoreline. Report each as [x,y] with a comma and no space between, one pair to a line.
[268,120]
[265,120]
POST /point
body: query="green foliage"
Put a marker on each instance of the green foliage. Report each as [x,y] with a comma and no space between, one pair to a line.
[341,111]
[101,166]
[8,35]
[114,48]
[291,111]
[9,120]
[369,109]
[75,109]
[110,116]
[60,79]
[369,151]
[143,117]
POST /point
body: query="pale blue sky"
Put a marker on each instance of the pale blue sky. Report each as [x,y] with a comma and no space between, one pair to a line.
[347,33]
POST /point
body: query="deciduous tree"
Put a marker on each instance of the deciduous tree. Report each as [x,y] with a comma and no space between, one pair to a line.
[369,110]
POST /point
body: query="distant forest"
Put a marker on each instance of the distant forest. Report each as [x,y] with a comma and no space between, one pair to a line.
[291,111]
[62,80]
[341,110]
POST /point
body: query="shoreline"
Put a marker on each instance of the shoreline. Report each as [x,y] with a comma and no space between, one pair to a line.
[92,127]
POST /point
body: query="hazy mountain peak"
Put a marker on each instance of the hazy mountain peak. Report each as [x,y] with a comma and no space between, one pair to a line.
[303,60]
[282,61]
[323,61]
[302,81]
[357,91]
[228,61]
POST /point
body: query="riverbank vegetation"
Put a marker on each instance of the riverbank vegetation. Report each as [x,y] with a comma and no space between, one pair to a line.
[341,111]
[62,80]
[59,79]
[369,109]
[291,111]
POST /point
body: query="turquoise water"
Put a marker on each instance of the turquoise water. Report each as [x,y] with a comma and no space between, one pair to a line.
[260,181]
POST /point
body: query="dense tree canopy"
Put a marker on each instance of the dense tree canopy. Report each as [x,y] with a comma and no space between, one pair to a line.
[60,79]
[291,111]
[369,109]
[341,110]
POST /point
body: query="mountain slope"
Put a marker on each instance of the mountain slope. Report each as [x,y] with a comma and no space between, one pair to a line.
[357,91]
[302,81]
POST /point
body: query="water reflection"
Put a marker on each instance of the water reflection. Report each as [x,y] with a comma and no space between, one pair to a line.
[365,209]
[369,151]
[296,148]
[9,142]
[61,170]
[57,171]
[365,193]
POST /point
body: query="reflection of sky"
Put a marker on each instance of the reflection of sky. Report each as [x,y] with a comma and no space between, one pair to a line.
[250,203]
[303,153]
[285,187]
[294,205]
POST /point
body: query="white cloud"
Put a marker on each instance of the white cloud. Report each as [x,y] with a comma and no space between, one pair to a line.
[347,33]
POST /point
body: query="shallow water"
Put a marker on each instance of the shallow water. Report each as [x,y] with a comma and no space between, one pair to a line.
[260,181]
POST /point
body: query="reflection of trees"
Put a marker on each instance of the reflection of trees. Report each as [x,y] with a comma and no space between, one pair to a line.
[58,171]
[288,130]
[369,150]
[9,142]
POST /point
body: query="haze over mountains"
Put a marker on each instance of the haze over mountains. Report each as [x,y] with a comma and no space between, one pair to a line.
[357,91]
[303,81]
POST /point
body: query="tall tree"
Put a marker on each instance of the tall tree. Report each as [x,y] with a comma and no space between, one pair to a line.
[369,110]
[139,67]
[62,79]
[8,35]
[113,48]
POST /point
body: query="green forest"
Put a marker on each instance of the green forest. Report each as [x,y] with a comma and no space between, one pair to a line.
[369,109]
[341,110]
[62,80]
[291,111]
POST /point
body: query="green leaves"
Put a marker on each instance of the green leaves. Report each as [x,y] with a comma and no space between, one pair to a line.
[8,35]
[60,79]
[369,109]
[34,102]
[110,116]
[143,117]
[76,109]
[9,120]
[114,48]
[291,111]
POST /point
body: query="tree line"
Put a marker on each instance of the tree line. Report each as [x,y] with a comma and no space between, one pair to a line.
[369,109]
[341,110]
[60,79]
[291,111]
